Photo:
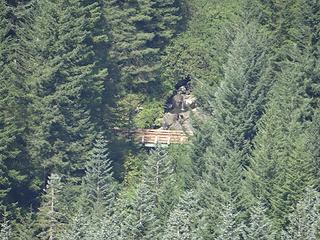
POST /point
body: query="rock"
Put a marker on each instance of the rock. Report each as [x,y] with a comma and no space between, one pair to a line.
[189,101]
[198,113]
[179,107]
[176,126]
[182,90]
[177,101]
[169,119]
[184,116]
[185,121]
[186,126]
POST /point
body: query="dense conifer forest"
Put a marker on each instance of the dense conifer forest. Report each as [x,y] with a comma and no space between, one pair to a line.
[77,75]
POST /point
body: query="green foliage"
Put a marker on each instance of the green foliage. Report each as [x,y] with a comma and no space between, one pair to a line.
[183,167]
[312,139]
[145,214]
[77,228]
[145,26]
[17,181]
[99,184]
[137,111]
[71,69]
[304,221]
[281,168]
[183,220]
[50,219]
[25,228]
[133,165]
[150,116]
[5,228]
[228,227]
[139,32]
[200,52]
[69,87]
[259,226]
[234,111]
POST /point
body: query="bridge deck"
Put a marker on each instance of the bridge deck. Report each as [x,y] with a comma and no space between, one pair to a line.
[152,137]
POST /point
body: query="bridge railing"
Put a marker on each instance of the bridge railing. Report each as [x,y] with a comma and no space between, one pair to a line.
[160,136]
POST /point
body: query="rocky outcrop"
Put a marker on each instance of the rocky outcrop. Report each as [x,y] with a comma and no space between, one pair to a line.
[179,108]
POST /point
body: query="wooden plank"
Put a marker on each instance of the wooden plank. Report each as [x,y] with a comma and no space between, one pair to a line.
[154,137]
[162,131]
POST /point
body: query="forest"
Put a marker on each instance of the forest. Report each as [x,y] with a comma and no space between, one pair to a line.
[77,75]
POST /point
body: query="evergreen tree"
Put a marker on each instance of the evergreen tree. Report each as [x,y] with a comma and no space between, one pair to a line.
[304,221]
[25,228]
[200,51]
[69,86]
[312,137]
[77,228]
[97,39]
[294,23]
[183,222]
[166,16]
[228,228]
[136,64]
[139,29]
[309,39]
[240,98]
[17,176]
[99,183]
[94,219]
[5,228]
[281,168]
[221,197]
[108,230]
[158,176]
[137,217]
[259,226]
[69,68]
[150,224]
[148,210]
[50,218]
[237,106]
[238,103]
[138,32]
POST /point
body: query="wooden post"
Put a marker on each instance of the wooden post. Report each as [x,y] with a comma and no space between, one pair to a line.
[168,141]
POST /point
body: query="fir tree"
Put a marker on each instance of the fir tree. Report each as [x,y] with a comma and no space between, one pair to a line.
[143,222]
[312,137]
[136,216]
[109,229]
[50,219]
[5,228]
[229,228]
[17,179]
[147,213]
[99,183]
[146,26]
[281,168]
[258,226]
[136,63]
[183,222]
[94,220]
[237,106]
[25,228]
[78,228]
[304,221]
[67,89]
[166,16]
[309,39]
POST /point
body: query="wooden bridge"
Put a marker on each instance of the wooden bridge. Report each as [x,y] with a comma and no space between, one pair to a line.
[154,137]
